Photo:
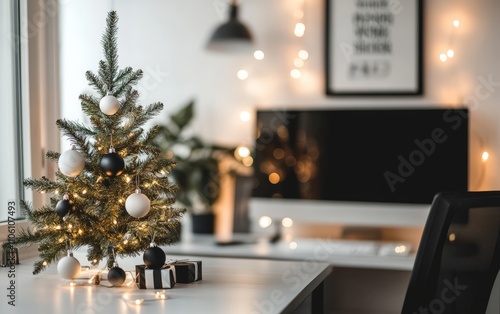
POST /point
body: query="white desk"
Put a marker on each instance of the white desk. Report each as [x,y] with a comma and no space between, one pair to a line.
[228,286]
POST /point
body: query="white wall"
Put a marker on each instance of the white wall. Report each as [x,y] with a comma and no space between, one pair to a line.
[166,37]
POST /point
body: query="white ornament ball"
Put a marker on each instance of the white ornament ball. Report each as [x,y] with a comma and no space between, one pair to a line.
[137,205]
[109,105]
[71,163]
[68,267]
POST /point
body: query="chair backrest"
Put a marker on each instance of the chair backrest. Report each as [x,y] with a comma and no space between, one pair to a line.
[458,257]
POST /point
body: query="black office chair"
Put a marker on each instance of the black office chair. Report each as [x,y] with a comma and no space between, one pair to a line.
[458,257]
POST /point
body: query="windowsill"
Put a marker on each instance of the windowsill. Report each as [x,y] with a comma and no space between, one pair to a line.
[4,227]
[24,252]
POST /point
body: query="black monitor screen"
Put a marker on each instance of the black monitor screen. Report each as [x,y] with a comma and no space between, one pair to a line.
[383,155]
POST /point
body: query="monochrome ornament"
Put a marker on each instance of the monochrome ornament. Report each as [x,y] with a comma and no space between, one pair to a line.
[109,105]
[112,164]
[71,163]
[154,257]
[68,267]
[64,206]
[137,204]
[116,276]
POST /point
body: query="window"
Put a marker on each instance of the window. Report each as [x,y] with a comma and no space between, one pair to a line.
[11,158]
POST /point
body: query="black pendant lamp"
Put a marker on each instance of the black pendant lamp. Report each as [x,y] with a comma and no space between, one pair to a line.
[232,36]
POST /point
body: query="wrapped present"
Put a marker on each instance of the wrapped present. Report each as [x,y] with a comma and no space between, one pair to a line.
[163,278]
[186,271]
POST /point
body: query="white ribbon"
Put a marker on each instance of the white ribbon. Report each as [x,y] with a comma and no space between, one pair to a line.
[174,261]
[165,277]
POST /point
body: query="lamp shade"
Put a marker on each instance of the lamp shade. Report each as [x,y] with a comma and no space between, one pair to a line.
[232,36]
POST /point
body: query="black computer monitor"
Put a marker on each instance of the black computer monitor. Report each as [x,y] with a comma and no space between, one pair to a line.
[362,155]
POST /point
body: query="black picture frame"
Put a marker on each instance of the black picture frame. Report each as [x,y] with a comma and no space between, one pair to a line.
[374,47]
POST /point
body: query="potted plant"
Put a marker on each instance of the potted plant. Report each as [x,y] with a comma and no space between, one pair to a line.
[197,173]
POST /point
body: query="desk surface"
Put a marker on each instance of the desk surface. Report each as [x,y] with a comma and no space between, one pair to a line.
[303,249]
[228,286]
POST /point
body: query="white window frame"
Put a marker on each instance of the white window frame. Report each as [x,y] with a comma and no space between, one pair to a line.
[38,98]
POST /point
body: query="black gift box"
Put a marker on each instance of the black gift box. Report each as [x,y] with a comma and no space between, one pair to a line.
[187,271]
[163,278]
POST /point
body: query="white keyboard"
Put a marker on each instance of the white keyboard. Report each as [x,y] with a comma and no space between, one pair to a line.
[356,247]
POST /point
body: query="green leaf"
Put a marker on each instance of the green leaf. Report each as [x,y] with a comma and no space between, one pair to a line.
[183,116]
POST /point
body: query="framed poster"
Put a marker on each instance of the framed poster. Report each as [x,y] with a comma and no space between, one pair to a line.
[373,47]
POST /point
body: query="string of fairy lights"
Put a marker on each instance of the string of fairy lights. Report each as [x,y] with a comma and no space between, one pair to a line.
[450,52]
[243,153]
[445,56]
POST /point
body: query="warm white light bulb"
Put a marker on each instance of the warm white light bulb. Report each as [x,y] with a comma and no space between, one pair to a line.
[139,301]
[299,30]
[443,57]
[456,23]
[400,249]
[450,53]
[303,54]
[245,116]
[274,178]
[265,221]
[298,62]
[485,156]
[287,222]
[243,151]
[247,161]
[292,245]
[242,74]
[258,55]
[295,73]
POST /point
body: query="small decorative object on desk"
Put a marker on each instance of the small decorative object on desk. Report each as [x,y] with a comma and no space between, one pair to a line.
[186,271]
[10,256]
[68,267]
[116,276]
[163,278]
[154,257]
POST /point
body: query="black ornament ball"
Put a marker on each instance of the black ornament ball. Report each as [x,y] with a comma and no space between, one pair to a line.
[154,257]
[112,164]
[116,276]
[63,207]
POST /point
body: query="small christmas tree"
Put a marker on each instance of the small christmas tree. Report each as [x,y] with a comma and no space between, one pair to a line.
[111,193]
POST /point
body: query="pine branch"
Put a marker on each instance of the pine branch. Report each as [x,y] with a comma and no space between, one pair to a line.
[90,105]
[148,113]
[41,185]
[76,132]
[109,44]
[127,81]
[52,155]
[130,100]
[96,82]
[122,74]
[151,135]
